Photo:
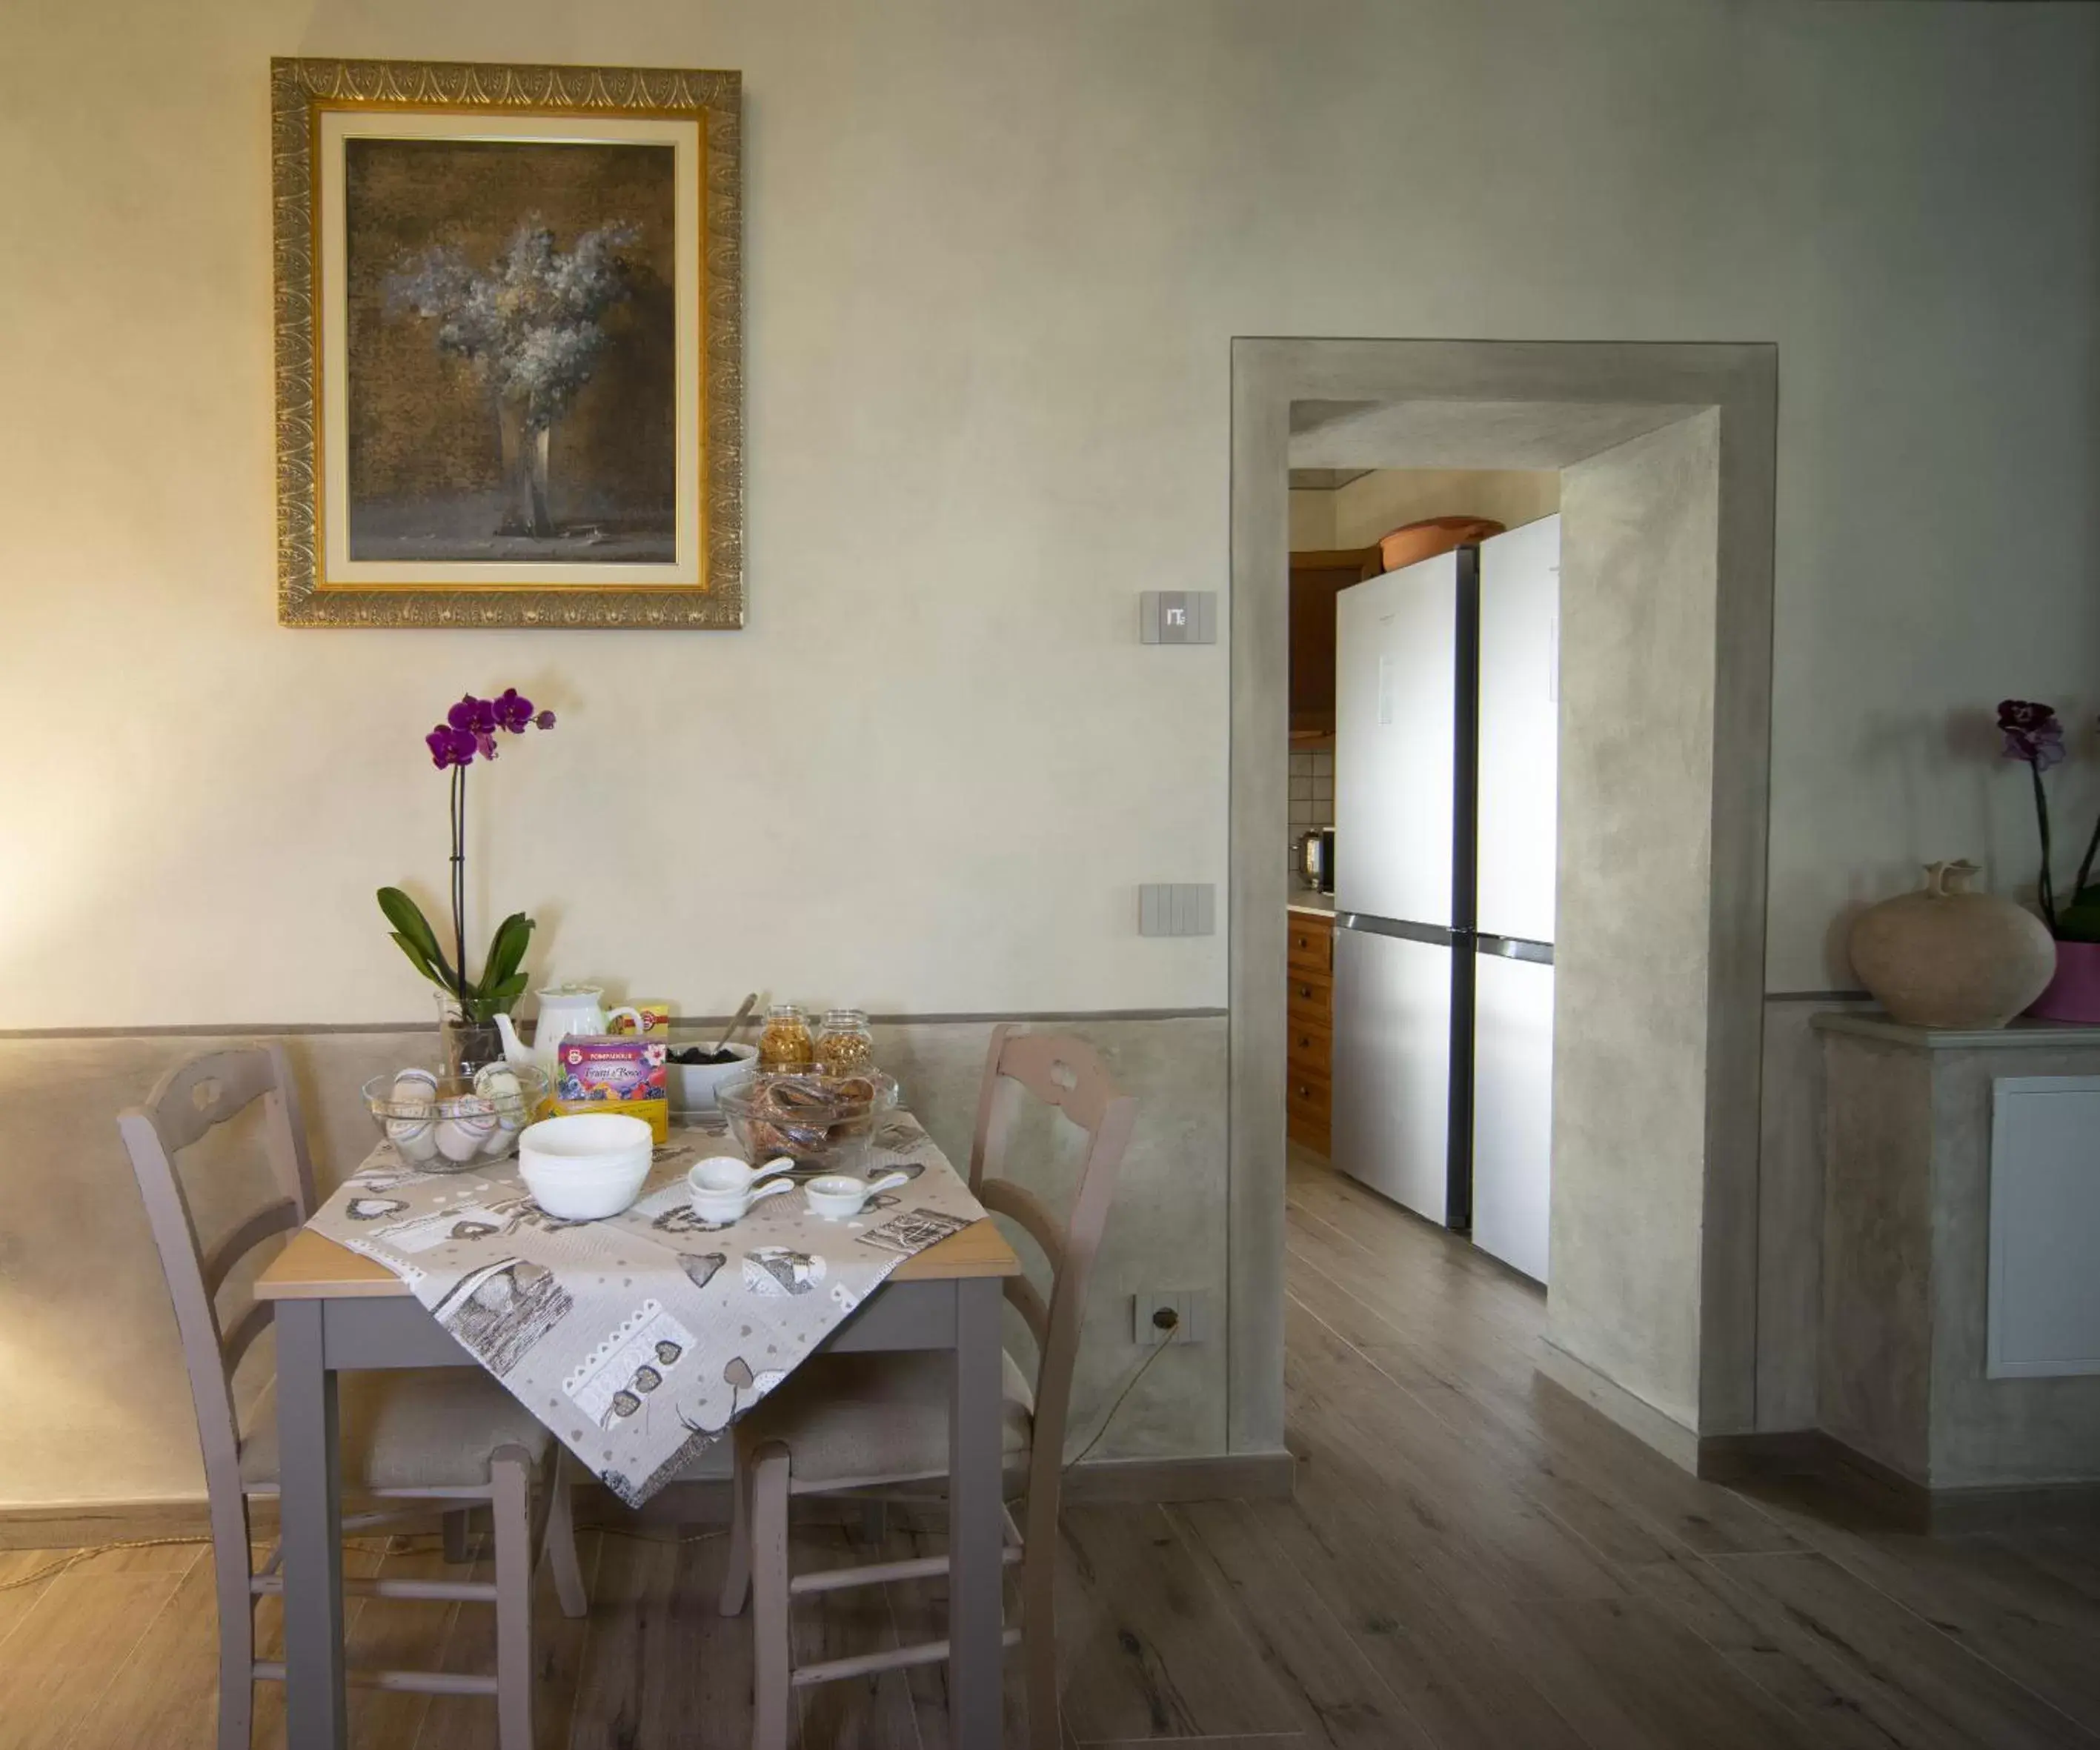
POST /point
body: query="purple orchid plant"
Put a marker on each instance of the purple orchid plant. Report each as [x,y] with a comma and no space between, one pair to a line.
[468,733]
[2034,736]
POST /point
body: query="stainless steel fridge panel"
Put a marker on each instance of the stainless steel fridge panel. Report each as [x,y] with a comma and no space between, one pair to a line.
[1518,730]
[1396,696]
[1512,1110]
[1390,1123]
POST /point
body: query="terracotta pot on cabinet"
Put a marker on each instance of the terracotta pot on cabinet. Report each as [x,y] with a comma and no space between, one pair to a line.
[1945,957]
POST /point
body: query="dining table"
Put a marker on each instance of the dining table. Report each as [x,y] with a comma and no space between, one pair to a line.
[338,1310]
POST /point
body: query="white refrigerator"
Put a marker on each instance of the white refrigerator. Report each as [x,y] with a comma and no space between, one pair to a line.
[1445,810]
[1516,814]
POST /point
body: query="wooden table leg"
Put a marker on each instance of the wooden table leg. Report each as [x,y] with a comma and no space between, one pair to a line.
[975,1611]
[310,1508]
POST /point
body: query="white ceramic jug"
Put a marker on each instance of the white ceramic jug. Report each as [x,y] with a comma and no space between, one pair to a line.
[564,1009]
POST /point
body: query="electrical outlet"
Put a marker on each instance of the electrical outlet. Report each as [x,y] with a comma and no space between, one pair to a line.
[1185,1305]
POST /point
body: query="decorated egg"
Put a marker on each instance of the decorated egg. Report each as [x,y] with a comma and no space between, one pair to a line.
[496,1082]
[413,1139]
[463,1126]
[415,1087]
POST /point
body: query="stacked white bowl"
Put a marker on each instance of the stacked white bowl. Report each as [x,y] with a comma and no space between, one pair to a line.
[586,1165]
[693,1085]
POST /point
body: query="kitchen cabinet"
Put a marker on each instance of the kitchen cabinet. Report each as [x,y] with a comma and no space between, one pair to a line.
[1316,578]
[1309,1030]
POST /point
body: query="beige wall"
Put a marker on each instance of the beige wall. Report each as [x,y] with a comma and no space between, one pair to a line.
[1312,522]
[1383,500]
[989,321]
[987,359]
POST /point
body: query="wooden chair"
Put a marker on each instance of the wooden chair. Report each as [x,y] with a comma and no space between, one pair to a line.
[451,1435]
[853,1423]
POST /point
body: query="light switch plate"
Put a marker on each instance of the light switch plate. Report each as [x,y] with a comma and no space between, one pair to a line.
[1177,908]
[1178,616]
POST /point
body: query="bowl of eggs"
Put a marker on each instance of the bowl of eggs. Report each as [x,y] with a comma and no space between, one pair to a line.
[443,1123]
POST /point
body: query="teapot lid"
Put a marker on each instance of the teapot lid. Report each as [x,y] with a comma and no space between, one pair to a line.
[558,993]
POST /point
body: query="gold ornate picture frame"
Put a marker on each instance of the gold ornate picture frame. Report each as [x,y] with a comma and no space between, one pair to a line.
[509,373]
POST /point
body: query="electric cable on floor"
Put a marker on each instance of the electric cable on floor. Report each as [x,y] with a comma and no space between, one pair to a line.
[1164,1319]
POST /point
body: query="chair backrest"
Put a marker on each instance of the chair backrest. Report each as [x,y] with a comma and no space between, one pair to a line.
[1069,1074]
[191,1100]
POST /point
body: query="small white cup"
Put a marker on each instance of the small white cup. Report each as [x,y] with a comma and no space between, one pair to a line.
[723,1188]
[836,1197]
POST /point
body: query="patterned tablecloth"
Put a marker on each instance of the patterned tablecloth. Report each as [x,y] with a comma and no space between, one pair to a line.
[638,1340]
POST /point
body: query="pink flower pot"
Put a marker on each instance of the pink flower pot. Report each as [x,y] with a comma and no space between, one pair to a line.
[2074,993]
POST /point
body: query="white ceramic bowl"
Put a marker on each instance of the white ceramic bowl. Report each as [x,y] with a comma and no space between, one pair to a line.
[693,1085]
[836,1197]
[586,1165]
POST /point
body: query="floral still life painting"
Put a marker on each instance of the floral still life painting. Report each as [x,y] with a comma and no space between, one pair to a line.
[509,387]
[511,349]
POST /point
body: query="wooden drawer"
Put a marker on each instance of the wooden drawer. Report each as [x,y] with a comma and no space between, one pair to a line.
[1310,999]
[1310,1048]
[1307,1105]
[1311,942]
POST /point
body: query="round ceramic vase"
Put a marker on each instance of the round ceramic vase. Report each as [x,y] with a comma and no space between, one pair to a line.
[1945,957]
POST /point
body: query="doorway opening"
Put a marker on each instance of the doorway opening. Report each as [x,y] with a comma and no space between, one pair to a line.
[1663,455]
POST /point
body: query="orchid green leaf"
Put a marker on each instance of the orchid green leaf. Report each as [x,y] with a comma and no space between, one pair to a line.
[506,950]
[417,960]
[414,930]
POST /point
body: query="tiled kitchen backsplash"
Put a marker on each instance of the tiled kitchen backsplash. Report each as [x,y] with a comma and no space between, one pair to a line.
[1311,797]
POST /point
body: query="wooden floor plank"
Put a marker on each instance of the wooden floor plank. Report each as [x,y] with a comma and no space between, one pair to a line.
[1237,1741]
[1917,1683]
[65,1653]
[21,1596]
[1339,1699]
[1628,1677]
[1694,1591]
[1159,1654]
[659,1655]
[1466,1526]
[2037,1620]
[166,1693]
[1464,1692]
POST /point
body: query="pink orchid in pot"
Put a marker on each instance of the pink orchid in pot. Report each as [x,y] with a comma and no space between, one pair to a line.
[2034,738]
[468,1005]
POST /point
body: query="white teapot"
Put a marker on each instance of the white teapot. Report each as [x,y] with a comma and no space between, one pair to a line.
[564,1009]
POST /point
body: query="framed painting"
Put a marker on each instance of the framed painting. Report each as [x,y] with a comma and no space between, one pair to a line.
[509,350]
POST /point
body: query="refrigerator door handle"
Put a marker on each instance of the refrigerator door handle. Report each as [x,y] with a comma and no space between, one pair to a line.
[1513,948]
[1436,935]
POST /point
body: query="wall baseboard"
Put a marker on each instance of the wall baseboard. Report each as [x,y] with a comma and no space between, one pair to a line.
[1222,1476]
[1640,1419]
[1887,1495]
[78,1524]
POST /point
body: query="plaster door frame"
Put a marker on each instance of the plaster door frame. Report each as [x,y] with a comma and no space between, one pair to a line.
[1497,398]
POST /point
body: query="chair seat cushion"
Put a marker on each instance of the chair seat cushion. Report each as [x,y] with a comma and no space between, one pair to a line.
[881,1416]
[407,1429]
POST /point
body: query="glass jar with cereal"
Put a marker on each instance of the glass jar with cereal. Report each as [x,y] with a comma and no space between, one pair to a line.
[786,1043]
[845,1045]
